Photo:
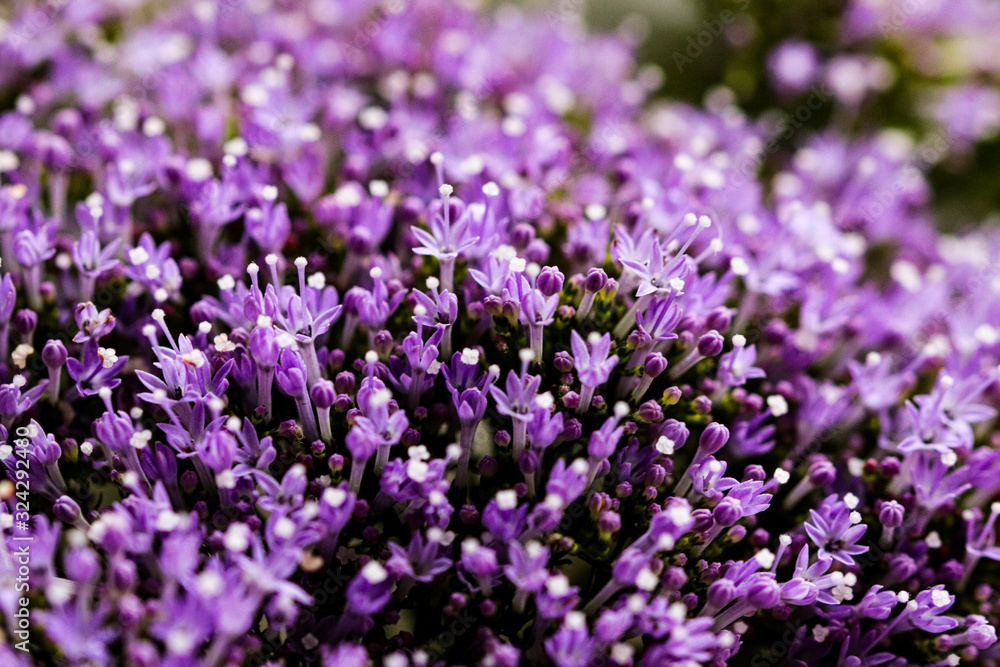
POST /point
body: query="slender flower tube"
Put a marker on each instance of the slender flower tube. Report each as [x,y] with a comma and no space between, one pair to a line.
[593,365]
[264,350]
[323,395]
[292,378]
[593,283]
[709,345]
[712,439]
[655,364]
[54,357]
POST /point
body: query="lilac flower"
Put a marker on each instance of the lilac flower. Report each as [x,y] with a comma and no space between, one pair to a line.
[836,529]
[593,365]
[446,240]
[737,366]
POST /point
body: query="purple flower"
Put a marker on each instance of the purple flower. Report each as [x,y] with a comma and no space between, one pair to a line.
[836,528]
[593,365]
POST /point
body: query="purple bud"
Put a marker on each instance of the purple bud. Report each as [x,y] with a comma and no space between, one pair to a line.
[891,514]
[54,354]
[595,281]
[493,305]
[189,480]
[82,565]
[67,122]
[952,570]
[656,475]
[335,361]
[537,251]
[410,438]
[651,412]
[656,363]
[345,382]
[822,473]
[890,466]
[323,394]
[623,490]
[597,503]
[727,512]
[25,322]
[550,281]
[342,403]
[522,235]
[713,438]
[674,578]
[609,523]
[754,473]
[765,593]
[202,311]
[721,593]
[123,574]
[703,405]
[502,438]
[902,567]
[719,319]
[66,510]
[710,344]
[562,362]
[528,462]
[488,467]
[572,430]
[384,342]
[571,400]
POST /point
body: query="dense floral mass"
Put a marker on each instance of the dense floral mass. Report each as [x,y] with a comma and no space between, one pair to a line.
[407,333]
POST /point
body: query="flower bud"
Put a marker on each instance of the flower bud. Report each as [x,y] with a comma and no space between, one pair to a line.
[713,438]
[550,281]
[562,362]
[595,281]
[493,305]
[719,319]
[656,363]
[25,322]
[721,593]
[891,514]
[822,473]
[54,354]
[66,510]
[323,394]
[727,512]
[710,344]
[488,467]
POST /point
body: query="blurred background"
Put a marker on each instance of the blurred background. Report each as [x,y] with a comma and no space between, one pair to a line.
[928,68]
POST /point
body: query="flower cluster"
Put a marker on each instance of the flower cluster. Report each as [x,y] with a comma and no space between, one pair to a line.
[397,331]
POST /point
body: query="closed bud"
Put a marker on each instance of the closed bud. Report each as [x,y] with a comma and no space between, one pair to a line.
[891,514]
[714,438]
[550,281]
[656,363]
[493,305]
[563,362]
[323,394]
[345,382]
[54,354]
[710,344]
[595,281]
